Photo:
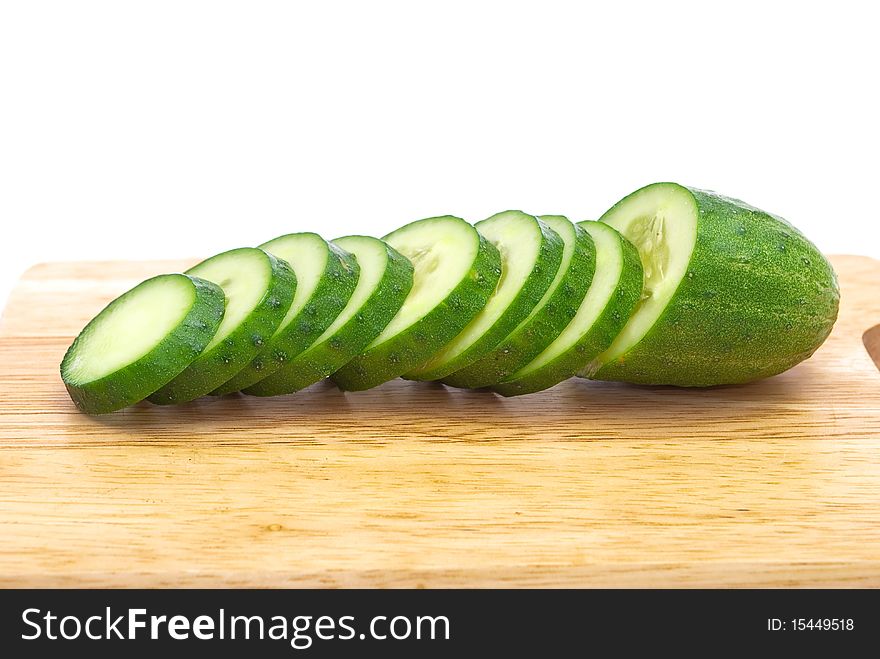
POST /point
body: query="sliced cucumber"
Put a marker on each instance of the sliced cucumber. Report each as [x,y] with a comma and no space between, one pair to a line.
[455,272]
[530,256]
[326,276]
[385,280]
[613,294]
[259,289]
[732,293]
[547,320]
[140,341]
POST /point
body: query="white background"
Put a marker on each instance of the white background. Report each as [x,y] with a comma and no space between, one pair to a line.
[165,129]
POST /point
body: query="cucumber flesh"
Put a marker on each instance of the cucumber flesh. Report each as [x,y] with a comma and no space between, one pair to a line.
[455,272]
[733,293]
[613,294]
[547,320]
[326,277]
[259,289]
[385,280]
[141,341]
[530,256]
[662,224]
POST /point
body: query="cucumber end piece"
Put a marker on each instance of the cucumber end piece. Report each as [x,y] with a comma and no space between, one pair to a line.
[734,294]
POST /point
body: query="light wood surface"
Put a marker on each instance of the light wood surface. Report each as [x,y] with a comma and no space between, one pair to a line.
[771,484]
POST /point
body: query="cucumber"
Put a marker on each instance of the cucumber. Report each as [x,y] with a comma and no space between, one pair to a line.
[455,271]
[547,320]
[732,293]
[259,289]
[141,341]
[613,294]
[326,276]
[386,277]
[530,256]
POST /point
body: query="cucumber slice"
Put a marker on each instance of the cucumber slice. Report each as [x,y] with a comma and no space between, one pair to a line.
[613,294]
[325,280]
[140,341]
[259,289]
[547,320]
[530,256]
[455,271]
[386,277]
[732,294]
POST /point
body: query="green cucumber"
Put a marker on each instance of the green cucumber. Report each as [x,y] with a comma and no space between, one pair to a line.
[530,256]
[613,294]
[140,341]
[386,277]
[547,320]
[732,294]
[259,289]
[455,271]
[326,277]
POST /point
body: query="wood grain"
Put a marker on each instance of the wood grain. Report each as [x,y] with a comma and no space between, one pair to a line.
[588,484]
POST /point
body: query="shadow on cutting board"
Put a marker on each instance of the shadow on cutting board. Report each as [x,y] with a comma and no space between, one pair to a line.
[573,410]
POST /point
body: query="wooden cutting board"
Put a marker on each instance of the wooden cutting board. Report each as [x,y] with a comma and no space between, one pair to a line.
[589,484]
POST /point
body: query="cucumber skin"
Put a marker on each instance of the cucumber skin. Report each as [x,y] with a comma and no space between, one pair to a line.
[529,340]
[348,341]
[329,298]
[757,298]
[598,338]
[216,366]
[416,344]
[163,363]
[536,284]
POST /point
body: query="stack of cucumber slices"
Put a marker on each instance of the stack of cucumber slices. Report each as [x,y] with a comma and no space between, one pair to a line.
[672,286]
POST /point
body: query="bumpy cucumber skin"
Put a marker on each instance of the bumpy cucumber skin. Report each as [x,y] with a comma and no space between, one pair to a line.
[530,338]
[536,284]
[604,330]
[215,366]
[163,363]
[416,344]
[329,298]
[757,298]
[323,359]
